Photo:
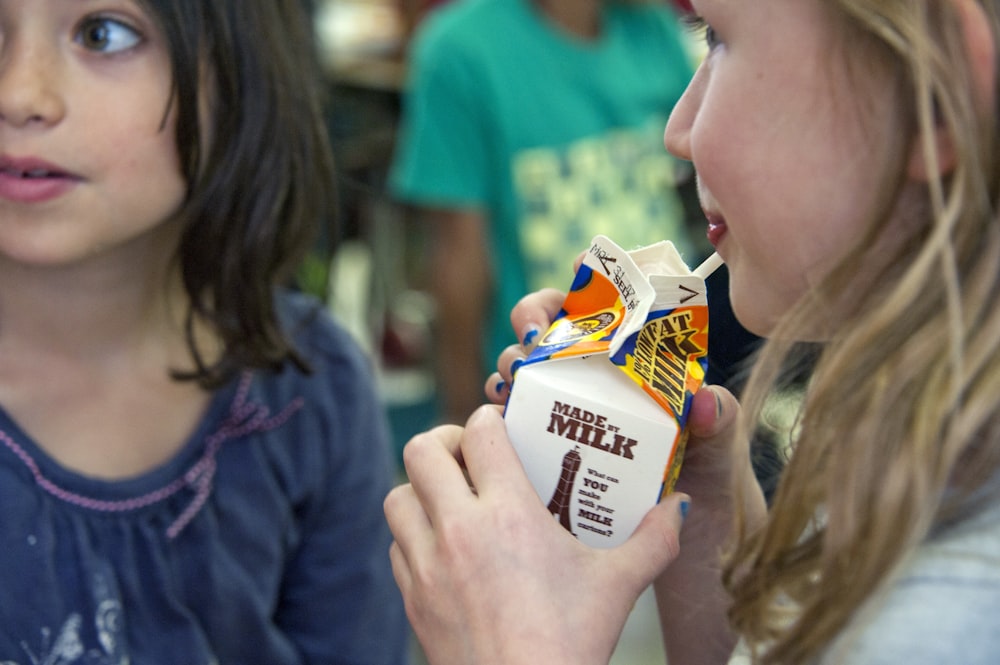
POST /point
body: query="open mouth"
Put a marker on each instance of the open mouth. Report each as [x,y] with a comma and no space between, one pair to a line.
[716,227]
[33,181]
[33,174]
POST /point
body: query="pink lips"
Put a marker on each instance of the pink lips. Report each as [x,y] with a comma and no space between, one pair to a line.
[716,228]
[30,180]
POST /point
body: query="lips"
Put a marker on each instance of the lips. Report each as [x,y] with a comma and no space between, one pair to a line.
[716,227]
[30,180]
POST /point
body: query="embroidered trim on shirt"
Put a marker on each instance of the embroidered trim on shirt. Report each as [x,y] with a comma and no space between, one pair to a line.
[244,417]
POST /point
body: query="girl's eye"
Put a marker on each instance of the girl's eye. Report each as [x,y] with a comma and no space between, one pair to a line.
[698,25]
[107,35]
[711,39]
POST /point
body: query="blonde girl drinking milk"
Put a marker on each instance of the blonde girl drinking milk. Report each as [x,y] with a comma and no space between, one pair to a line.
[847,155]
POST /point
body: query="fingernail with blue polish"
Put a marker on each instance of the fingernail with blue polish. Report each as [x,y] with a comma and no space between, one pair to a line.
[685,507]
[530,337]
[500,386]
[516,365]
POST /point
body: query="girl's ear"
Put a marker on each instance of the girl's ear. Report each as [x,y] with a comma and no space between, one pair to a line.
[980,45]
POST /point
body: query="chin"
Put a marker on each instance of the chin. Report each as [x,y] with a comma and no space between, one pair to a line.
[750,310]
[753,322]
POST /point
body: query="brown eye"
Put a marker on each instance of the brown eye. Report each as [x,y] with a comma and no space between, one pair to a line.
[107,35]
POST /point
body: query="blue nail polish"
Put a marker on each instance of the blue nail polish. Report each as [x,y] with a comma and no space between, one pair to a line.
[516,365]
[685,506]
[500,386]
[529,337]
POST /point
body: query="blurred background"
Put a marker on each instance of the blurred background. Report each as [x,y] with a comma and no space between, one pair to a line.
[377,280]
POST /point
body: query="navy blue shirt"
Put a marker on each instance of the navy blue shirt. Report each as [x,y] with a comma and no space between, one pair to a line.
[262,542]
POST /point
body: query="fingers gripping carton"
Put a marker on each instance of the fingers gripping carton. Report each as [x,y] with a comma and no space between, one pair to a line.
[597,412]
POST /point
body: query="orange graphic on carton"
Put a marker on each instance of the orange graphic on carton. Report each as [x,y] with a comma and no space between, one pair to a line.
[666,357]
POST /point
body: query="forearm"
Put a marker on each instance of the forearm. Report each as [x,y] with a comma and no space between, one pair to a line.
[461,285]
[458,359]
[692,602]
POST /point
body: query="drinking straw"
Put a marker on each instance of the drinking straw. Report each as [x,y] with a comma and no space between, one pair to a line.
[708,266]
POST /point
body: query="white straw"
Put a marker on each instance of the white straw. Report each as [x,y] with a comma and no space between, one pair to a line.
[708,266]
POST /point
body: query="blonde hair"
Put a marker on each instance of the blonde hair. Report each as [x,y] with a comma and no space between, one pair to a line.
[898,434]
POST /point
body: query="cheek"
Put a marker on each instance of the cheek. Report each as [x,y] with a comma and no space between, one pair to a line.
[149,185]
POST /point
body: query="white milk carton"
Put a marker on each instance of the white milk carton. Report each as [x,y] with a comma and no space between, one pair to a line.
[597,412]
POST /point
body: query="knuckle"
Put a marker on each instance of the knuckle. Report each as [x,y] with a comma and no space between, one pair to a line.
[393,499]
[417,448]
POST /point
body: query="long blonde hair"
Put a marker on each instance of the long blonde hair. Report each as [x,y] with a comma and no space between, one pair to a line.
[898,434]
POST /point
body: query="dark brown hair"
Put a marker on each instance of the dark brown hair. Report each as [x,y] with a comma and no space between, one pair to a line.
[254,150]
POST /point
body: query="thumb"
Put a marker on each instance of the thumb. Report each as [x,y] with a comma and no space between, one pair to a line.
[656,541]
[714,410]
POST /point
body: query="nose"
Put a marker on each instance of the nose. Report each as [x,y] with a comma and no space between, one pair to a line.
[29,90]
[677,134]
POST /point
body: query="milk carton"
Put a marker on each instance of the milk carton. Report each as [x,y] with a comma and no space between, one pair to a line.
[597,412]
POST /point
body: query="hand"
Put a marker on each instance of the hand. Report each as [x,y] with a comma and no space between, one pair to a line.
[488,576]
[716,452]
[530,318]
